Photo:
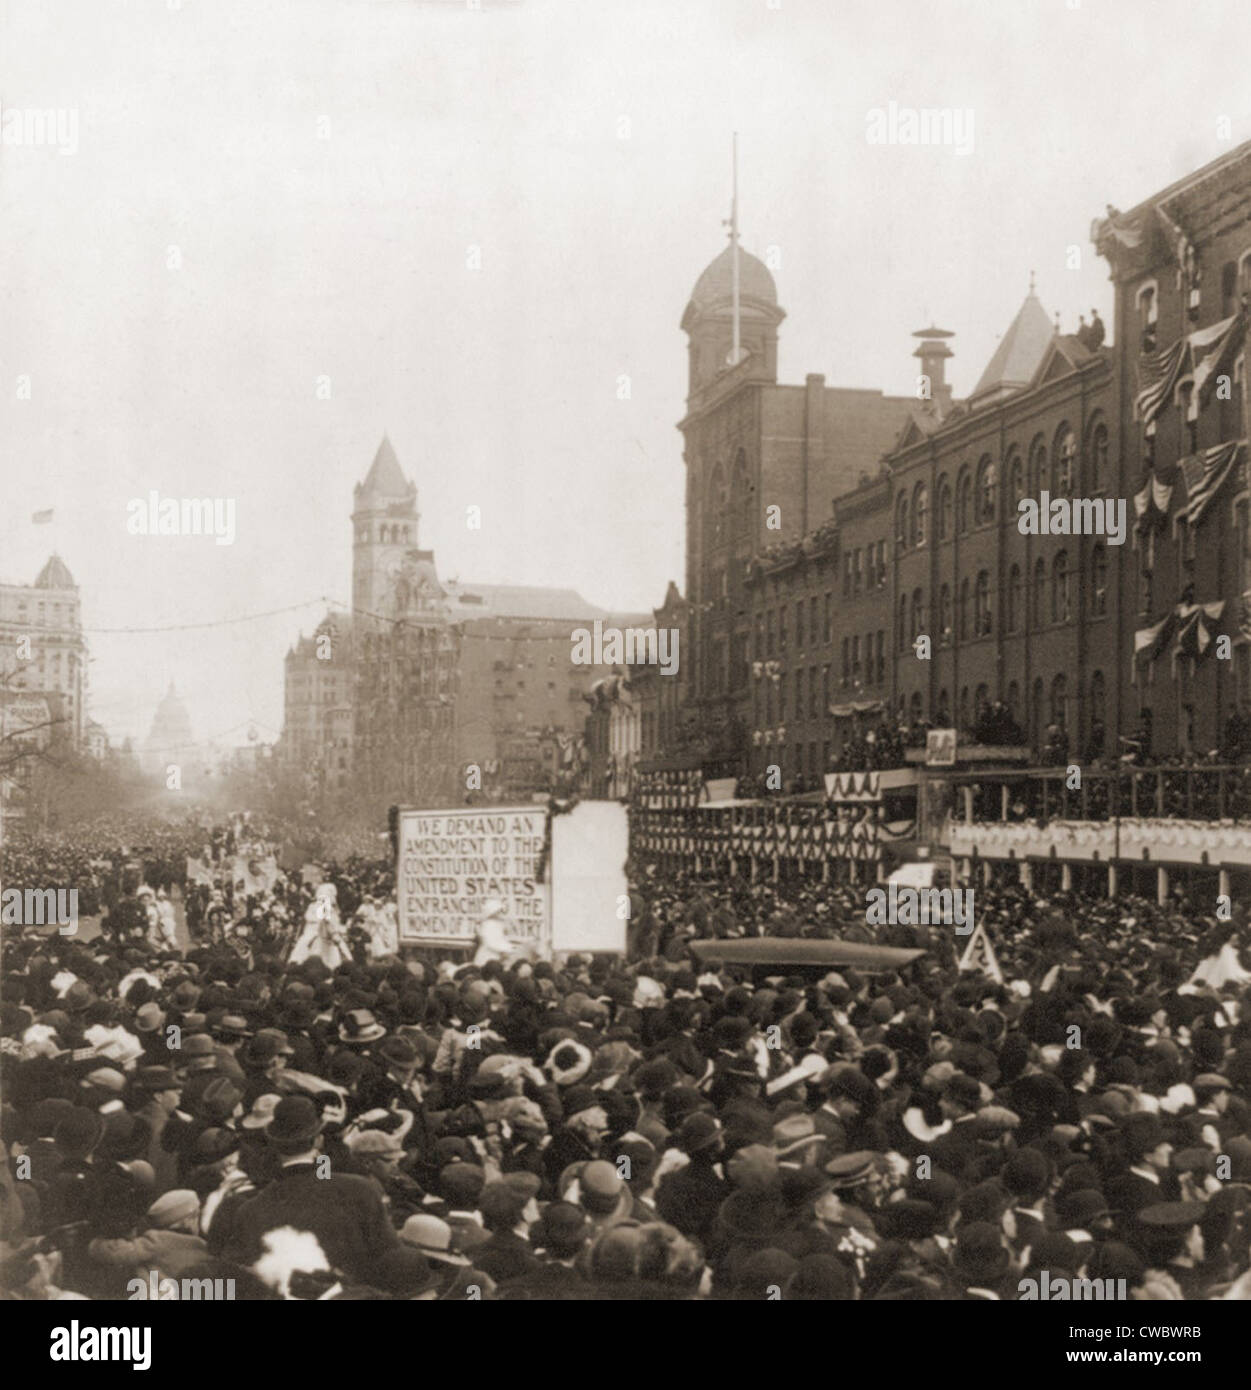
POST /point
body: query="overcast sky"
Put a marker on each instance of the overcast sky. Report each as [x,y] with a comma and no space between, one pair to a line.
[322,168]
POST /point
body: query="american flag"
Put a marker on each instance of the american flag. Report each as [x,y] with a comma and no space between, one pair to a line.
[1157,375]
[1205,473]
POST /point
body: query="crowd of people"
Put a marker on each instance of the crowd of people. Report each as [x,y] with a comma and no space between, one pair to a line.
[274,1101]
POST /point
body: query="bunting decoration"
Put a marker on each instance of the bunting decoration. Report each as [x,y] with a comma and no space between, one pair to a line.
[1197,628]
[1205,474]
[1213,351]
[1158,374]
[1151,506]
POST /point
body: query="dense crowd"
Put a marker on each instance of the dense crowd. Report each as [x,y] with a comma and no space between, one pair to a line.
[280,1099]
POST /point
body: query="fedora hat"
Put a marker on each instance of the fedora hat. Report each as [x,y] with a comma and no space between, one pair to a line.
[360,1026]
[295,1122]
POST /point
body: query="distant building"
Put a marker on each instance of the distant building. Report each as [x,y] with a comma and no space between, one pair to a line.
[48,616]
[170,741]
[318,702]
[97,741]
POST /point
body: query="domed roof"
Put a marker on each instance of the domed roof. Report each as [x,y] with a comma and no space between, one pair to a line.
[55,575]
[716,284]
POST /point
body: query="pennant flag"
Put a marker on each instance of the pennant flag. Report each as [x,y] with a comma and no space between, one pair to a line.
[1205,474]
[979,954]
[1158,373]
[42,518]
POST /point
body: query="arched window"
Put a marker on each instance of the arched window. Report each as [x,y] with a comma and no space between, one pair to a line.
[1014,701]
[1014,477]
[918,613]
[964,494]
[983,604]
[1059,688]
[1013,614]
[1098,581]
[1036,714]
[943,521]
[1037,466]
[944,614]
[1060,608]
[914,710]
[986,490]
[981,701]
[942,716]
[1040,593]
[920,513]
[1099,457]
[904,635]
[901,523]
[964,610]
[964,710]
[1063,474]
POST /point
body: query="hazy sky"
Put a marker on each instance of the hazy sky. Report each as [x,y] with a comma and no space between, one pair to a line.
[267,193]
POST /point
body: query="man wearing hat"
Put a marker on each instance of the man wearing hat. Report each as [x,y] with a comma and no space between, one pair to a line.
[691,1197]
[174,1233]
[344,1212]
[508,1209]
[559,1237]
[455,1276]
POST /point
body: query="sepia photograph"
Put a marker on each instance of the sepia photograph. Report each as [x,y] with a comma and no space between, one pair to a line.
[625,670]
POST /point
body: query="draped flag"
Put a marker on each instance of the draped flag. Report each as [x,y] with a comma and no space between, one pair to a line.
[1158,373]
[1151,504]
[1205,474]
[1197,630]
[1213,351]
[1149,642]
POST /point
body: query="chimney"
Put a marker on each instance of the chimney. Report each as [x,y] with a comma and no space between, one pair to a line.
[933,352]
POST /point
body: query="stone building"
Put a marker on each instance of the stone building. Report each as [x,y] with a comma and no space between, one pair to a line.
[52,660]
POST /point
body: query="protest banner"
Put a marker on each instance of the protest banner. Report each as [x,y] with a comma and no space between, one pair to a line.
[452,863]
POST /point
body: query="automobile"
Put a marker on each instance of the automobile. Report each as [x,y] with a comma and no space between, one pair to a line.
[797,955]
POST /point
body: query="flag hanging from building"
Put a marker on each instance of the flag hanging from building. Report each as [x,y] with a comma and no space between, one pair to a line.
[41,518]
[979,954]
[1213,351]
[1158,373]
[1205,474]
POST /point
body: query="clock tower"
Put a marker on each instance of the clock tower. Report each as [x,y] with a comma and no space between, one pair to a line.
[384,530]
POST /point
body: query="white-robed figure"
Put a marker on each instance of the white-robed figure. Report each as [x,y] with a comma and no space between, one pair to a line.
[323,931]
[493,941]
[384,929]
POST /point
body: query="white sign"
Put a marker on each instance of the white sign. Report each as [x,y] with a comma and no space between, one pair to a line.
[452,863]
[940,747]
[589,850]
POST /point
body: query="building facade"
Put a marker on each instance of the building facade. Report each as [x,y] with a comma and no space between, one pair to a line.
[52,660]
[764,462]
[1181,264]
[1026,620]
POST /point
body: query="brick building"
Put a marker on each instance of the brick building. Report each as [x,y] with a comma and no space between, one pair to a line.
[1027,620]
[1181,264]
[764,462]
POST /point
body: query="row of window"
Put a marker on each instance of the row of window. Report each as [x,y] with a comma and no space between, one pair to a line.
[973,502]
[813,625]
[864,569]
[1050,600]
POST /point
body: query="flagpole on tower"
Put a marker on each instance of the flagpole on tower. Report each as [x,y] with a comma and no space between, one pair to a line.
[736,348]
